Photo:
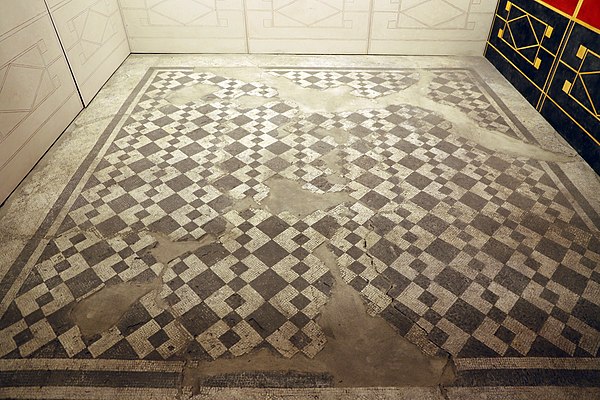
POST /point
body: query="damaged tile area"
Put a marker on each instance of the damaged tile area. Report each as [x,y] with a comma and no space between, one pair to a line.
[320,227]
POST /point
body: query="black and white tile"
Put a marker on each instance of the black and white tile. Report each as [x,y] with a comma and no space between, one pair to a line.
[483,252]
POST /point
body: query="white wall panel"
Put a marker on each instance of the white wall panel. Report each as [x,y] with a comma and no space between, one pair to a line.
[308,26]
[185,26]
[458,27]
[94,39]
[38,98]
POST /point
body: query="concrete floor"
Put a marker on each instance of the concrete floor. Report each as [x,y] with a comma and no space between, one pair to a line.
[322,227]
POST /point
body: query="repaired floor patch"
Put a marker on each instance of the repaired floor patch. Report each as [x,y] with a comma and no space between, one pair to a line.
[290,196]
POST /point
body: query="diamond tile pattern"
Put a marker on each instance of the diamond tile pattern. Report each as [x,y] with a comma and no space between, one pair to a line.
[456,89]
[482,252]
[371,84]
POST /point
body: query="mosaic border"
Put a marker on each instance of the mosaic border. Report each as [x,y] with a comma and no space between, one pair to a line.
[166,375]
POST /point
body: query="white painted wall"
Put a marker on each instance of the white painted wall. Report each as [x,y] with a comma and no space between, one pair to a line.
[458,27]
[38,97]
[94,40]
[185,26]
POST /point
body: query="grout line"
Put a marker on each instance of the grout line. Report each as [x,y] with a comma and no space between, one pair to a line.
[64,53]
[120,7]
[371,7]
[491,29]
[245,11]
[555,64]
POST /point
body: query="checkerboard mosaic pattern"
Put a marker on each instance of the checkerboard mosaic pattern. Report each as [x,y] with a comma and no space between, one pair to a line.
[370,84]
[456,89]
[482,253]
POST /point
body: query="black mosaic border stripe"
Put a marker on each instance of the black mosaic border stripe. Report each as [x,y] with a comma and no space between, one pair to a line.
[528,377]
[268,379]
[82,378]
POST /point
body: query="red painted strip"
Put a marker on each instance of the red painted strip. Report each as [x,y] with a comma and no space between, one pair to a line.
[590,13]
[567,6]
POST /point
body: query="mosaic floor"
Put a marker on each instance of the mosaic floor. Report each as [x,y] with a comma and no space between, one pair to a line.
[488,258]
